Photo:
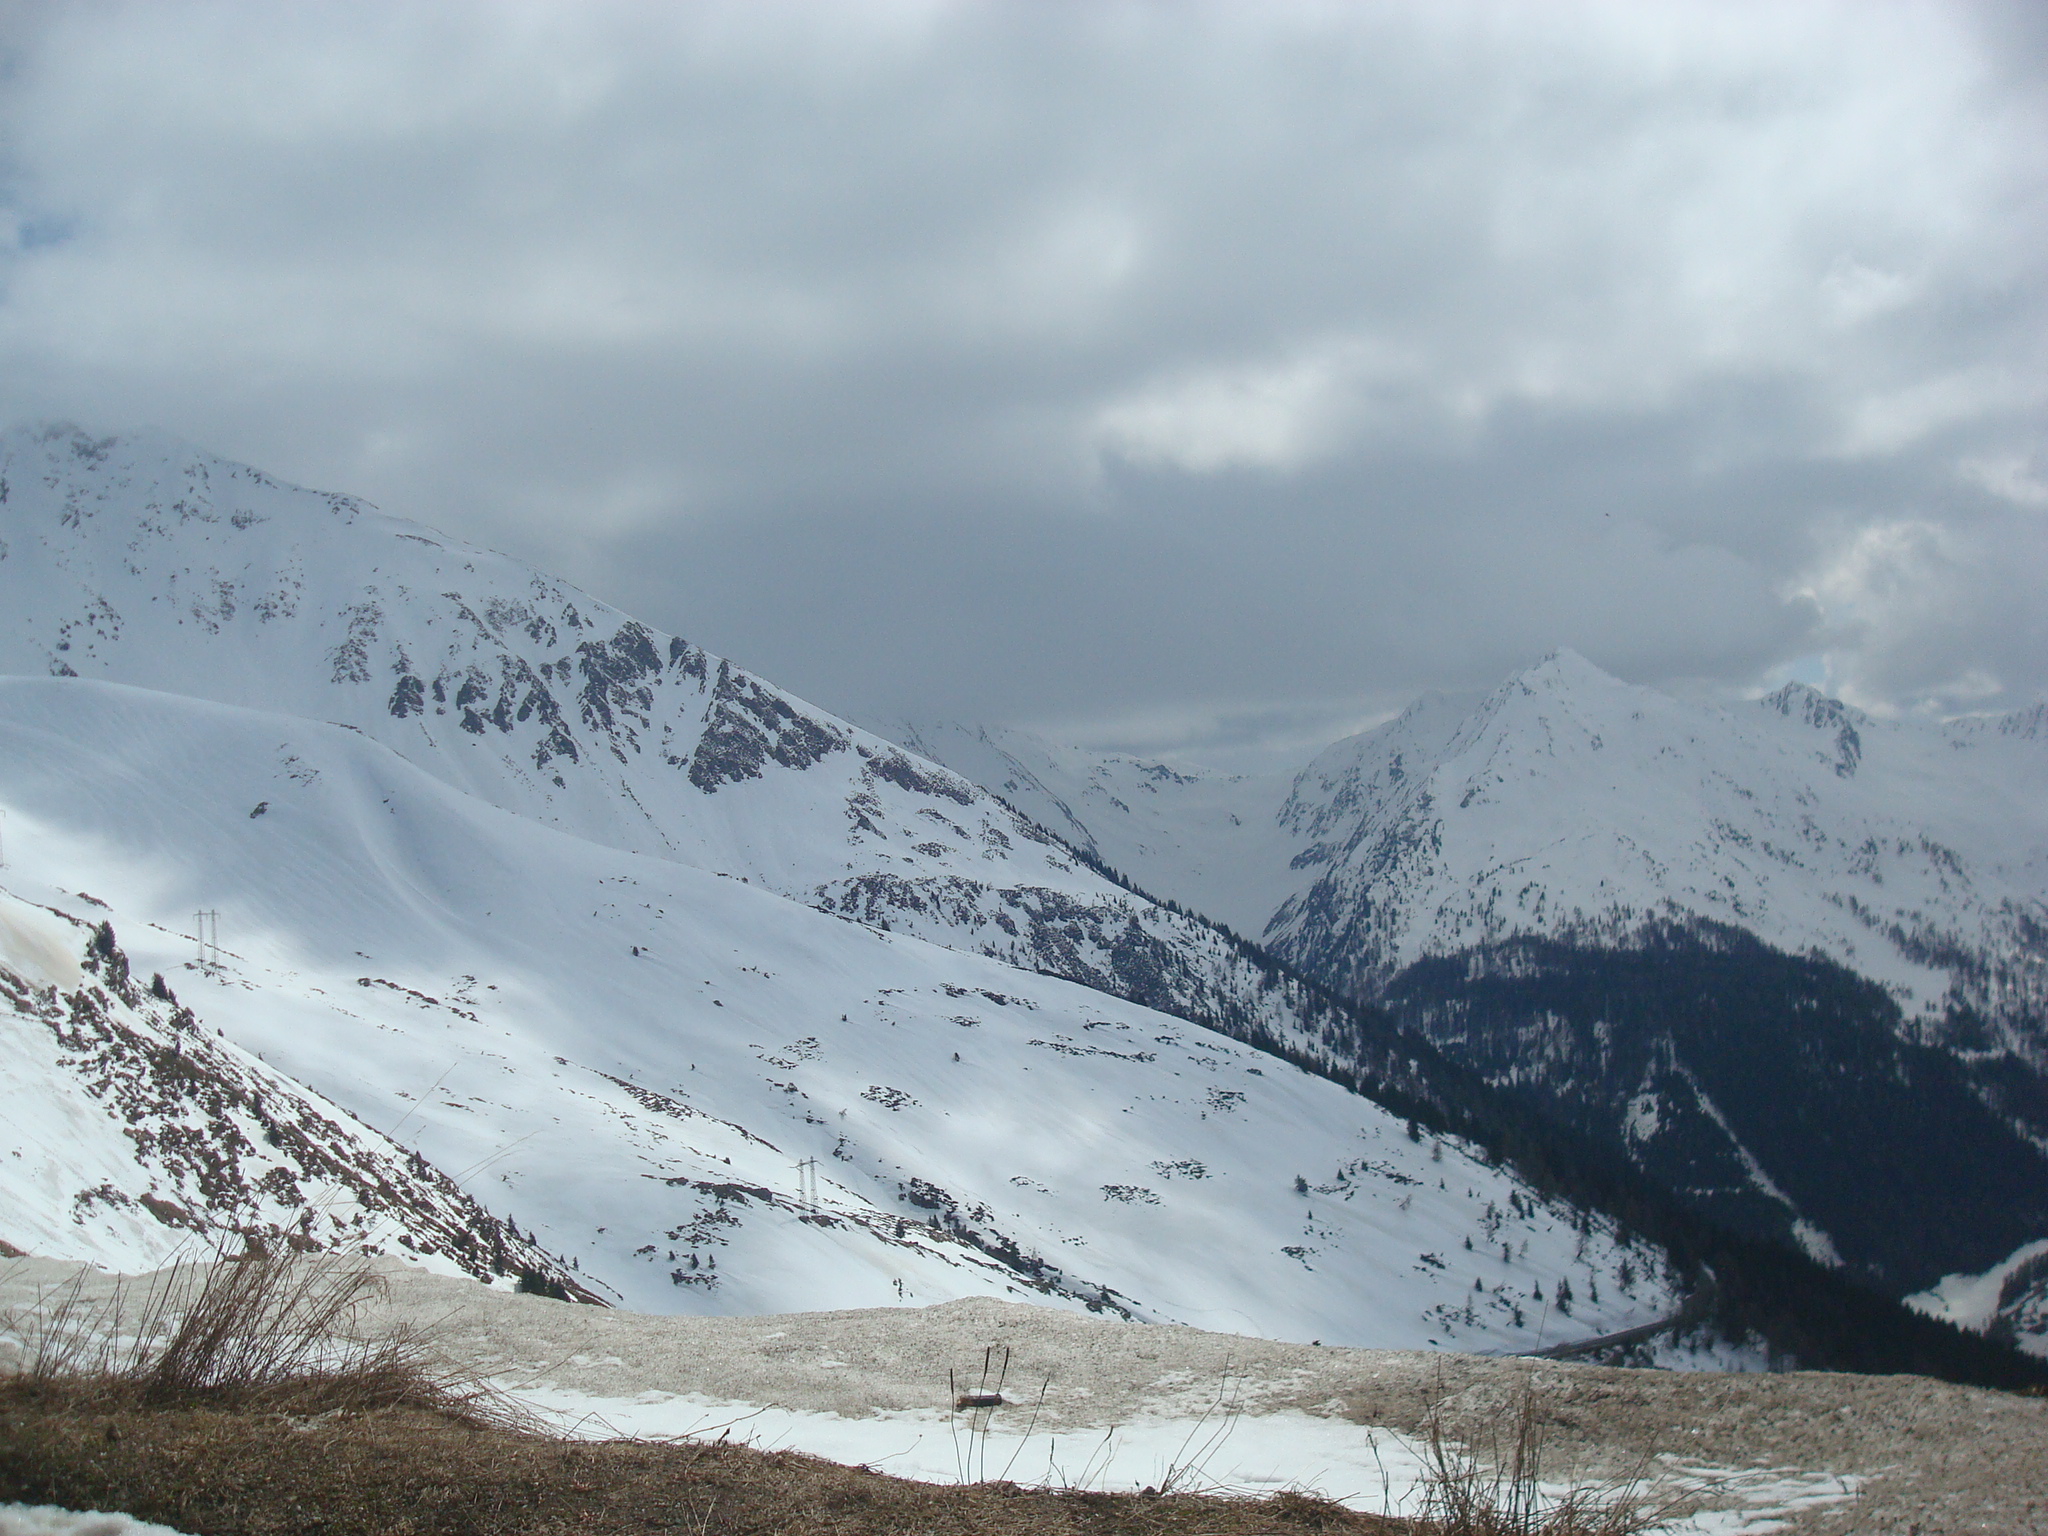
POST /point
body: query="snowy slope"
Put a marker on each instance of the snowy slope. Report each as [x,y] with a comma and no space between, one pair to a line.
[2009,1300]
[715,1099]
[143,561]
[135,1137]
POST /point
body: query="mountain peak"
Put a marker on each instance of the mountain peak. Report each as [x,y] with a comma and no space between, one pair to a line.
[1803,701]
[1807,704]
[65,443]
[1563,670]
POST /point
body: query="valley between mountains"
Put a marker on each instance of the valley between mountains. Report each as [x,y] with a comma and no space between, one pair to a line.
[363,889]
[1789,960]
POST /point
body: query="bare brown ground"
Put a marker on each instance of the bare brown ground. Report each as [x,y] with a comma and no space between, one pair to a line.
[217,1473]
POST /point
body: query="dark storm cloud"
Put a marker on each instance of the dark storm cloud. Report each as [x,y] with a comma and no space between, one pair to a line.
[1207,374]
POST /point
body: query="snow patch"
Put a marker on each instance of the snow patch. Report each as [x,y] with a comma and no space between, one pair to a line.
[1975,1301]
[36,944]
[49,1520]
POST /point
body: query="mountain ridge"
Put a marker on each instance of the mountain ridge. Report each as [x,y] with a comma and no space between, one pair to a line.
[149,563]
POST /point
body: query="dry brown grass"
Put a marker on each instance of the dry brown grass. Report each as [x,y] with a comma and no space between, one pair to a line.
[399,1470]
[1497,1486]
[259,1334]
[241,1399]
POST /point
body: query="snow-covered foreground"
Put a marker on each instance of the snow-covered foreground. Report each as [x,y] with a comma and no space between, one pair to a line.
[1221,1452]
[713,1099]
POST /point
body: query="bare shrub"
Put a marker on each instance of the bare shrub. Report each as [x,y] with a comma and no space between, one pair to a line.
[279,1333]
[1496,1487]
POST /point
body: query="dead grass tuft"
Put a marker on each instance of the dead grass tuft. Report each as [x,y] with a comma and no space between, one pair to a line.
[1496,1486]
[275,1334]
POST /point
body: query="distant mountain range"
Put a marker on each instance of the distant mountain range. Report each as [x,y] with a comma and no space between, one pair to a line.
[1568,803]
[1788,959]
[659,985]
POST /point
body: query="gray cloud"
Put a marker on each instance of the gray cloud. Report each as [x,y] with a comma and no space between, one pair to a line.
[1216,375]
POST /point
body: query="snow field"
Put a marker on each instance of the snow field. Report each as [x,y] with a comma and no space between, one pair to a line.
[762,1110]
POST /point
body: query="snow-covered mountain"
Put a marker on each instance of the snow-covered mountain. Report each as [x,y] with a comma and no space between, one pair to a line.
[737,1007]
[1569,803]
[840,1026]
[1544,879]
[143,561]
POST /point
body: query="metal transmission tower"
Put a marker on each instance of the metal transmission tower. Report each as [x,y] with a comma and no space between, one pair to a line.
[807,1182]
[206,929]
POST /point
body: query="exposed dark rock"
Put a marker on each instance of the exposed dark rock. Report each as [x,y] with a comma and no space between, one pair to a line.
[904,774]
[409,697]
[750,725]
[222,1140]
[615,682]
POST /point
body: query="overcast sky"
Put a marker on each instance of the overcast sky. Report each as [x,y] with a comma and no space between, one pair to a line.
[1195,378]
